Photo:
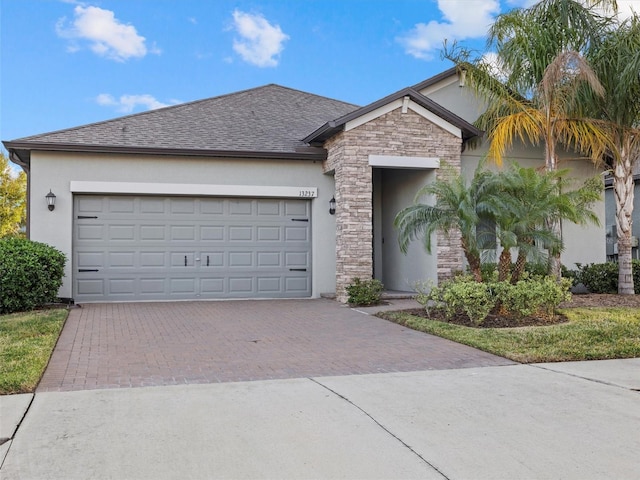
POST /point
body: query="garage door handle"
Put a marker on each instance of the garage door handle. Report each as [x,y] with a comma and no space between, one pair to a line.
[297,269]
[88,270]
[185,260]
[86,216]
[207,260]
[299,219]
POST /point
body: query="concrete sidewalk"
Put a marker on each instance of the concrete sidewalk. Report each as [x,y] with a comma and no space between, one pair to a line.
[575,420]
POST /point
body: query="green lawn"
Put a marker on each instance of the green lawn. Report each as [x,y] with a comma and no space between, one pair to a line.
[26,342]
[590,334]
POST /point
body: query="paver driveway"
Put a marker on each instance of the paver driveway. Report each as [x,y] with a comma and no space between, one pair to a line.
[143,344]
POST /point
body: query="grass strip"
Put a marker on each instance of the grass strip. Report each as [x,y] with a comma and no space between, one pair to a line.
[27,340]
[590,334]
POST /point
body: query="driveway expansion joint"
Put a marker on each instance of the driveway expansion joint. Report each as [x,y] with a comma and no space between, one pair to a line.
[588,379]
[407,446]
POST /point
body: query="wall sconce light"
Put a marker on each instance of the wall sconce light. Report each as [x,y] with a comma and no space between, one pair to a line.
[332,206]
[51,200]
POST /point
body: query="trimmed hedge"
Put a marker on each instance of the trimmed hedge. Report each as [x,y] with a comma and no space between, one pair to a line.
[30,274]
[603,277]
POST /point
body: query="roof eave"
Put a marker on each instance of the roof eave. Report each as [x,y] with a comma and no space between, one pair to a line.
[301,153]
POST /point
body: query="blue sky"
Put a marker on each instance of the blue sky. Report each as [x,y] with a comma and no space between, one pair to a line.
[66,63]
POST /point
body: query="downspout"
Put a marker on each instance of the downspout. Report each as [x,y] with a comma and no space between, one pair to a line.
[25,167]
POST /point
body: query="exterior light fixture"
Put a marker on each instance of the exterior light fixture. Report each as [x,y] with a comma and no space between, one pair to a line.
[51,200]
[332,206]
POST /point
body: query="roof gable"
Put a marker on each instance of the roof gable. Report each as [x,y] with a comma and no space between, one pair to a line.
[331,128]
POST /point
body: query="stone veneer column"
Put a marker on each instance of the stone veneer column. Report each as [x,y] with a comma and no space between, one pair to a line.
[394,133]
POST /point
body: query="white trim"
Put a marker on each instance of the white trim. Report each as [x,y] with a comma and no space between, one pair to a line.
[440,85]
[378,112]
[400,103]
[389,161]
[432,117]
[405,103]
[193,189]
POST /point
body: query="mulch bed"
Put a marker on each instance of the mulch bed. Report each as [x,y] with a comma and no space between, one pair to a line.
[501,321]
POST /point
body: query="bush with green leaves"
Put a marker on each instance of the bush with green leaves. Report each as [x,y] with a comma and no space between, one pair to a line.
[30,274]
[364,292]
[603,277]
[539,296]
[462,295]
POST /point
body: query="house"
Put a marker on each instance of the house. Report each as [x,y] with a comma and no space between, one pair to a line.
[264,193]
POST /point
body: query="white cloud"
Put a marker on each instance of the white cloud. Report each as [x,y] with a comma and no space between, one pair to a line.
[127,103]
[260,42]
[461,19]
[106,35]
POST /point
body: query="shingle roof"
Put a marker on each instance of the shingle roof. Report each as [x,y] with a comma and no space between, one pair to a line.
[265,121]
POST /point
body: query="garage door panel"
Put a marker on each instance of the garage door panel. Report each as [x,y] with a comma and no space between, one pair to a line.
[89,259]
[122,286]
[211,233]
[180,233]
[152,233]
[240,233]
[269,259]
[153,259]
[182,205]
[122,259]
[211,206]
[152,286]
[152,205]
[296,208]
[269,234]
[241,207]
[299,284]
[269,285]
[183,286]
[212,285]
[135,248]
[122,232]
[90,232]
[121,205]
[91,286]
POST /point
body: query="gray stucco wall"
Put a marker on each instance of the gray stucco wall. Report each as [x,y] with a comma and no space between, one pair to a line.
[56,171]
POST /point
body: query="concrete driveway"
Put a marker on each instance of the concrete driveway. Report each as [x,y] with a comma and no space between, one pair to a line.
[152,344]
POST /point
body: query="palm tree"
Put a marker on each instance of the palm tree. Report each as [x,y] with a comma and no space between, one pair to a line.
[615,58]
[457,206]
[539,55]
[525,201]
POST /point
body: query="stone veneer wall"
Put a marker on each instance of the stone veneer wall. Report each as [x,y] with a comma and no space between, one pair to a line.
[394,133]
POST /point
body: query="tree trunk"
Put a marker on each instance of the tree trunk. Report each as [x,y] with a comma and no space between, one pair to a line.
[504,265]
[518,270]
[551,165]
[474,266]
[623,192]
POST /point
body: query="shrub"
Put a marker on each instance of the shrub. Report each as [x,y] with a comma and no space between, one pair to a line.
[462,295]
[30,274]
[538,296]
[364,292]
[603,277]
[599,277]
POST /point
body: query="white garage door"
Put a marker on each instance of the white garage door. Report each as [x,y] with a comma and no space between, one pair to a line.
[165,248]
